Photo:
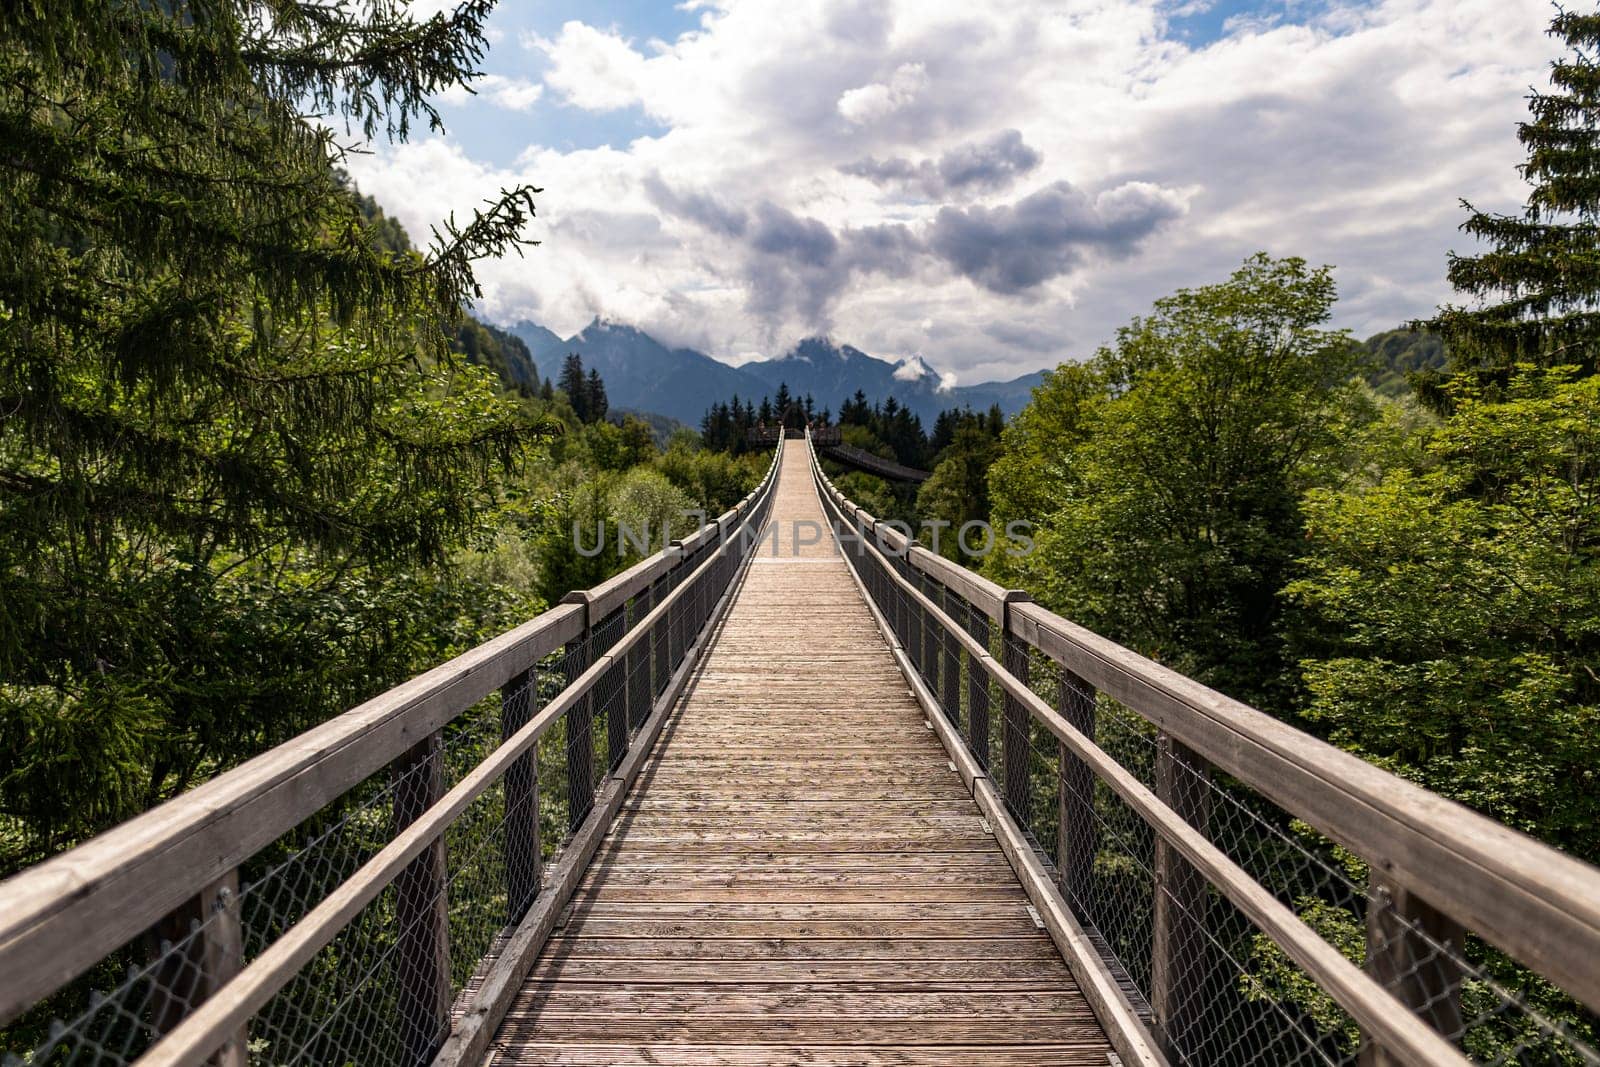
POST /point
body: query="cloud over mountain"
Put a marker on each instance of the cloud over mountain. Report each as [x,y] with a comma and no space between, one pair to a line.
[1013,248]
[996,185]
[798,266]
[990,164]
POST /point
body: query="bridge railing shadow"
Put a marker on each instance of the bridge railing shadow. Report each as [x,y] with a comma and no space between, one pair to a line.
[373,891]
[1230,889]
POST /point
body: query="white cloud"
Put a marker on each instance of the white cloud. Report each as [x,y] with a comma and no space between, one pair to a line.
[593,69]
[911,369]
[1117,165]
[517,94]
[514,94]
[869,103]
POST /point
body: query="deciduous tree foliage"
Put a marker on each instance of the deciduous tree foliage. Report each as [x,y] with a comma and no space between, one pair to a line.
[1455,609]
[957,492]
[1165,476]
[228,417]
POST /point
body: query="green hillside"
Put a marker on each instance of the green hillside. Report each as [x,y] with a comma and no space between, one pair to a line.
[1394,356]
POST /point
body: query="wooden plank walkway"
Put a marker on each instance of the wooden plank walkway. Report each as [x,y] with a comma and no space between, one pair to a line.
[799,876]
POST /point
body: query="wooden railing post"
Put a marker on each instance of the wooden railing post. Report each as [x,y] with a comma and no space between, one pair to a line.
[519,699]
[1179,962]
[1015,736]
[950,679]
[1423,979]
[199,946]
[639,688]
[1078,834]
[978,691]
[580,720]
[930,637]
[422,949]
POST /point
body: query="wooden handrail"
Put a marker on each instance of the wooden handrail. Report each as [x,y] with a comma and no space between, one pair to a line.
[1373,1009]
[211,1023]
[1537,904]
[61,916]
[58,918]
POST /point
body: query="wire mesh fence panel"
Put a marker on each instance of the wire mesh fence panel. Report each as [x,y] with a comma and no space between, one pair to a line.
[386,984]
[1229,993]
[112,1014]
[1213,987]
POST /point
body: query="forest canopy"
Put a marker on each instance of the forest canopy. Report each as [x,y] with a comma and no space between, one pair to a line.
[256,460]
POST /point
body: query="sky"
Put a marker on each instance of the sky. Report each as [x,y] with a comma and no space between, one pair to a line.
[995,187]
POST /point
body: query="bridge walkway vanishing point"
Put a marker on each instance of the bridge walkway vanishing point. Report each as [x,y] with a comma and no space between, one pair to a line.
[799,876]
[830,799]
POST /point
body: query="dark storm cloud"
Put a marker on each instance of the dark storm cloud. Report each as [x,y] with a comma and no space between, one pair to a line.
[799,265]
[794,265]
[1013,248]
[698,208]
[1027,337]
[990,164]
[791,265]
[887,171]
[891,249]
[976,166]
[781,232]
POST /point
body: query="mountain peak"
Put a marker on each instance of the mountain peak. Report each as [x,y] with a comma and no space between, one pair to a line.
[600,324]
[643,374]
[813,350]
[820,349]
[913,369]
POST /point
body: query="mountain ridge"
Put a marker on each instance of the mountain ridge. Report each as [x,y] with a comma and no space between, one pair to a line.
[642,373]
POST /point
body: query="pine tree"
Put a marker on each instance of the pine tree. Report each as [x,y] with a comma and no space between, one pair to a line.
[575,385]
[1538,287]
[854,412]
[595,391]
[213,372]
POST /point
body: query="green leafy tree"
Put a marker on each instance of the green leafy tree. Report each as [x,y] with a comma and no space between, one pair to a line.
[619,447]
[1538,286]
[232,425]
[1450,626]
[1165,478]
[958,490]
[1455,609]
[714,480]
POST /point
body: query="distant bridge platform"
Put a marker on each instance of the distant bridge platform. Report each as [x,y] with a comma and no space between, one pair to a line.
[829,441]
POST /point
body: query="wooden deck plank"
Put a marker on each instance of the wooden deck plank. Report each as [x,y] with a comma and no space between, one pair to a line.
[799,876]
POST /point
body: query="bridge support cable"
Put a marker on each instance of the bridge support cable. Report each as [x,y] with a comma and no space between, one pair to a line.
[1216,859]
[361,893]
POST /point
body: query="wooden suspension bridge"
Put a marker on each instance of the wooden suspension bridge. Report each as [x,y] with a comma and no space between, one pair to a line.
[796,790]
